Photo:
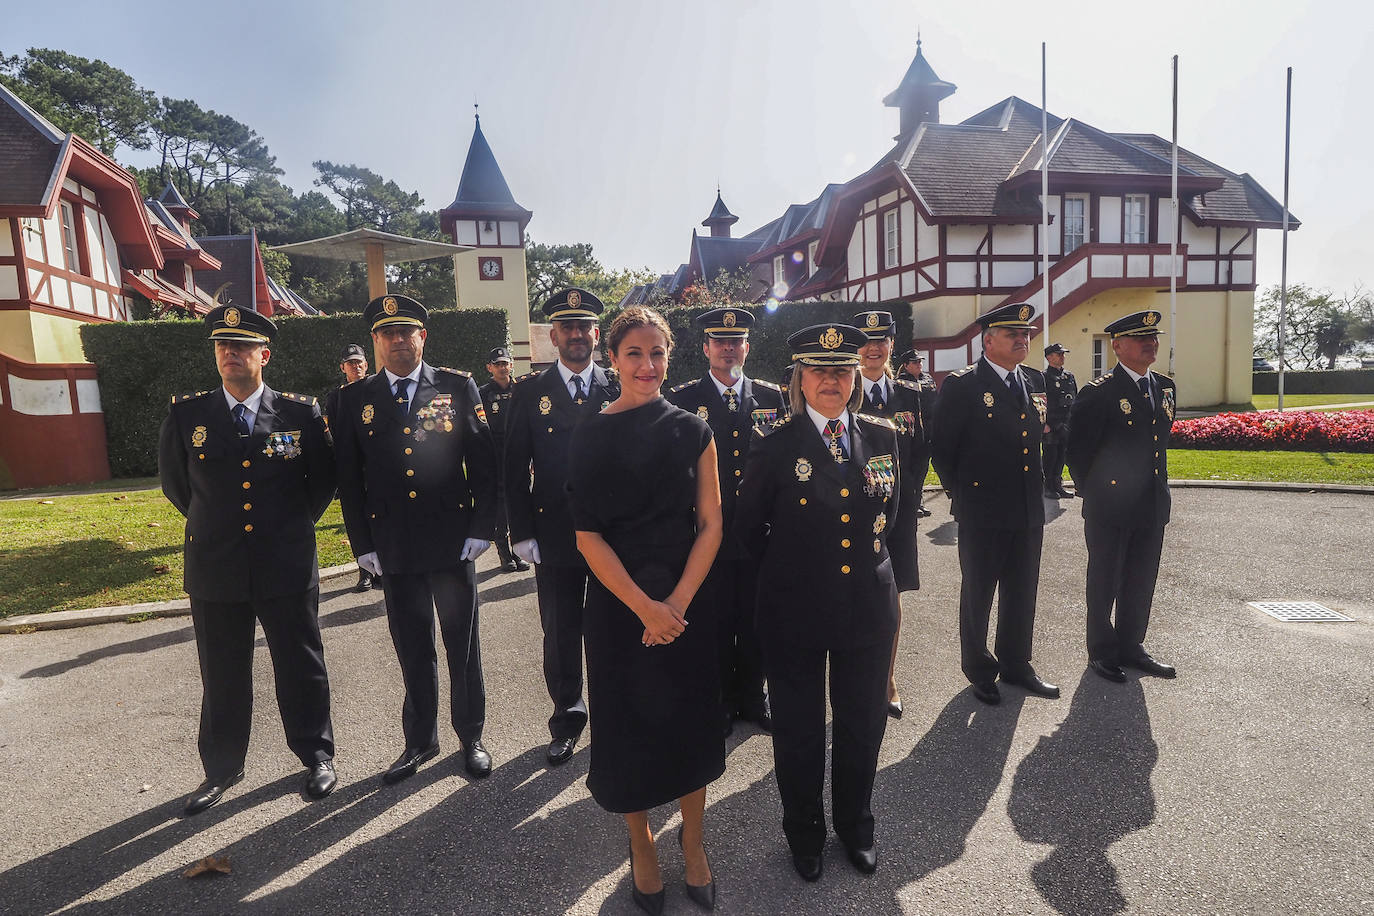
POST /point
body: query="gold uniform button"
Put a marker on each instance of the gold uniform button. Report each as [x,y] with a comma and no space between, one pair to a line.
[541,508]
[247,527]
[738,472]
[247,507]
[374,514]
[412,494]
[247,464]
[1025,467]
[844,491]
[247,485]
[550,429]
[736,434]
[1113,483]
[1156,438]
[406,430]
[845,517]
[803,500]
[975,483]
[844,543]
[989,416]
[1023,416]
[1025,451]
[1024,433]
[410,472]
[845,570]
[408,451]
[736,453]
[202,456]
[1130,423]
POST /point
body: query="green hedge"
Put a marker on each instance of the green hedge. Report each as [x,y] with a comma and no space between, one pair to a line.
[142,364]
[768,352]
[1319,381]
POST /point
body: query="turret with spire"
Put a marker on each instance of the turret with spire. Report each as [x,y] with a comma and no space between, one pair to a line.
[918,95]
[720,220]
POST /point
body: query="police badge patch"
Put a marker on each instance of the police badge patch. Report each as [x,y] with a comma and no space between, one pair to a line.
[803,470]
[368,414]
[1125,406]
[198,437]
[545,405]
[703,413]
[987,398]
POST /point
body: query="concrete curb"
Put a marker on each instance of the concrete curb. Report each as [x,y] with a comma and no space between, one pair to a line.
[120,613]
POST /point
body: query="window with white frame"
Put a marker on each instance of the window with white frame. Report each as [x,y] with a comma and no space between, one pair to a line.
[811,258]
[69,238]
[1136,225]
[1100,350]
[890,238]
[1075,222]
[779,277]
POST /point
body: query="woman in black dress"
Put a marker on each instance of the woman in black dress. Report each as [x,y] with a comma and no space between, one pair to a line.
[645,501]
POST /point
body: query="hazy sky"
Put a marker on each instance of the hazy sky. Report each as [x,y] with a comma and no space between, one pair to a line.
[614,121]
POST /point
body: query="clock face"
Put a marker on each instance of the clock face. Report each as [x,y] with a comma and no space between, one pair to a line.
[491,268]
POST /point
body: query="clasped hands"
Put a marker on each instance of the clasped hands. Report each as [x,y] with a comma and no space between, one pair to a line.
[663,622]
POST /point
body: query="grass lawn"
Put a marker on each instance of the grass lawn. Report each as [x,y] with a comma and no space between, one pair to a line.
[1271,401]
[1298,467]
[106,548]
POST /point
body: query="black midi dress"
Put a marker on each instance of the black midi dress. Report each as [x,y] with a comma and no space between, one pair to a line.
[655,710]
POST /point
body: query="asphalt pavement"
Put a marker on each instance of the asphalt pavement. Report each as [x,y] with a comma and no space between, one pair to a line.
[1241,787]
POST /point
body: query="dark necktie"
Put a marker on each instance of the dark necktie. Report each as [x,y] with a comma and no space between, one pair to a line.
[875,396]
[1144,383]
[578,394]
[731,400]
[833,432]
[403,394]
[241,420]
[1014,385]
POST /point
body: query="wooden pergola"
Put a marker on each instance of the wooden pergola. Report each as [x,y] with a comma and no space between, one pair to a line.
[375,248]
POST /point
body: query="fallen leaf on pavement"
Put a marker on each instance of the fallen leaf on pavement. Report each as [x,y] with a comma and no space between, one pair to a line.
[207,866]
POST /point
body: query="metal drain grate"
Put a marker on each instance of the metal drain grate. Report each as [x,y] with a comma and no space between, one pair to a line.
[1299,611]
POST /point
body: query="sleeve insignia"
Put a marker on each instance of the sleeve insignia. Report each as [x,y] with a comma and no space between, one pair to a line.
[482,413]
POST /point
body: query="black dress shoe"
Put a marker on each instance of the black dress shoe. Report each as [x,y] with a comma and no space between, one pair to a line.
[894,708]
[922,512]
[321,780]
[365,581]
[409,761]
[476,760]
[987,692]
[1108,670]
[521,565]
[561,750]
[509,565]
[1152,667]
[649,903]
[209,792]
[1065,494]
[1034,684]
[865,860]
[703,895]
[809,867]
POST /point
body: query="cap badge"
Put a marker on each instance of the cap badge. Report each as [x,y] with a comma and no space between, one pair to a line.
[987,398]
[803,470]
[872,319]
[198,437]
[1025,313]
[231,317]
[1151,318]
[831,339]
[728,320]
[574,299]
[1125,406]
[389,305]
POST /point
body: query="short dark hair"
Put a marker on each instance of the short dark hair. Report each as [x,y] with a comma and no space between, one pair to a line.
[636,316]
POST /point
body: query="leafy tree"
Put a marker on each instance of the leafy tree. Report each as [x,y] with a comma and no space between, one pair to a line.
[369,200]
[552,267]
[727,287]
[91,98]
[1319,327]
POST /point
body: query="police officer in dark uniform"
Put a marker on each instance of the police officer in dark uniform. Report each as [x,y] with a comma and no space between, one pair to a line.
[544,410]
[988,424]
[815,508]
[912,369]
[252,470]
[898,400]
[732,404]
[496,395]
[417,481]
[353,365]
[1118,455]
[1060,390]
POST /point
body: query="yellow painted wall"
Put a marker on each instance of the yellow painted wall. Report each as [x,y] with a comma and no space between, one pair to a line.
[34,337]
[510,293]
[946,316]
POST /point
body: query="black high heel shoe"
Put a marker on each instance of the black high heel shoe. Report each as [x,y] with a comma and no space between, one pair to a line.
[703,895]
[649,903]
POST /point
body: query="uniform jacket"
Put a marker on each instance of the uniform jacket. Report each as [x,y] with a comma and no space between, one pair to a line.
[251,504]
[761,404]
[926,386]
[415,486]
[1061,388]
[818,530]
[1118,451]
[986,447]
[542,418]
[905,410]
[497,402]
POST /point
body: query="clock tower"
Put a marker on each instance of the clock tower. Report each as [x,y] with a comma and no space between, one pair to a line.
[484,215]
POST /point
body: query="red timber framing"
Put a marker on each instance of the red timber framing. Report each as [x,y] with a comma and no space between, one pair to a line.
[60,445]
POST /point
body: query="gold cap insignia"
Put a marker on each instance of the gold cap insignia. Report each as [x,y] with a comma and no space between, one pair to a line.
[831,339]
[1125,406]
[987,398]
[389,305]
[728,320]
[574,299]
[803,470]
[1151,318]
[1025,313]
[872,319]
[231,317]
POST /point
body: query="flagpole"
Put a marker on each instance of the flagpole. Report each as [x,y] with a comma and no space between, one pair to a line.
[1283,271]
[1045,186]
[1173,233]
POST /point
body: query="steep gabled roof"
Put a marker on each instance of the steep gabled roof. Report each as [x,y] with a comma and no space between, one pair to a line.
[31,153]
[171,199]
[717,254]
[957,171]
[1078,148]
[1012,113]
[482,189]
[1240,199]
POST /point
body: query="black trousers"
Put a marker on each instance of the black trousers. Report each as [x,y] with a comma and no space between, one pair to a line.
[225,633]
[502,538]
[1053,451]
[858,699]
[562,599]
[922,472]
[734,584]
[1005,560]
[1123,564]
[412,601]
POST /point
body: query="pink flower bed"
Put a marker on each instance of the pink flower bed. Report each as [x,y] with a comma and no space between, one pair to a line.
[1292,430]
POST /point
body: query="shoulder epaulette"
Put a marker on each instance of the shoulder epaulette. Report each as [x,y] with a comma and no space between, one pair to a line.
[178,398]
[461,372]
[1097,381]
[906,383]
[767,429]
[355,381]
[766,384]
[527,376]
[683,387]
[964,371]
[298,398]
[1163,377]
[877,421]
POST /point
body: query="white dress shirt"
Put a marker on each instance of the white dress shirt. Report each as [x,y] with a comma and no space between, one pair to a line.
[567,375]
[251,403]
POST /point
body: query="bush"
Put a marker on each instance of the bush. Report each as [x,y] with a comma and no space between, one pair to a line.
[1318,381]
[1269,430]
[768,352]
[142,364]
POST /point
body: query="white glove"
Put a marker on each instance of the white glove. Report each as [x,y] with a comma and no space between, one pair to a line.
[473,548]
[369,562]
[527,550]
